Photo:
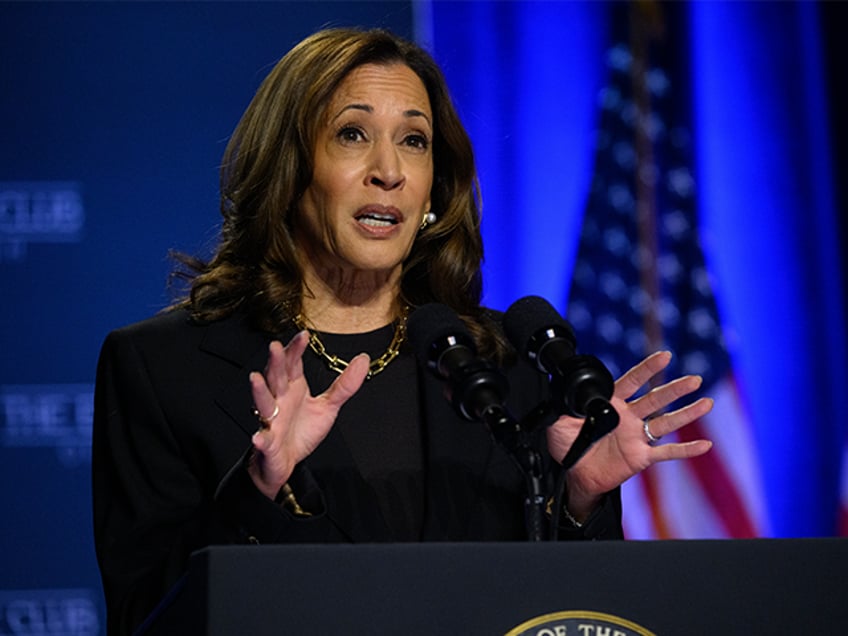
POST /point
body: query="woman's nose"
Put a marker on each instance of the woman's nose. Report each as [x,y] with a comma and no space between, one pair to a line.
[386,170]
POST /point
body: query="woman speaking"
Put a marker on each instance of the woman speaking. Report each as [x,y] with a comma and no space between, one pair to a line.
[280,402]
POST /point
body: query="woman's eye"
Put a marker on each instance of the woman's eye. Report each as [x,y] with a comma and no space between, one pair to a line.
[350,134]
[417,141]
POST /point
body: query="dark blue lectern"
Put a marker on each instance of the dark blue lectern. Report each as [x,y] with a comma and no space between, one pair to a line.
[688,588]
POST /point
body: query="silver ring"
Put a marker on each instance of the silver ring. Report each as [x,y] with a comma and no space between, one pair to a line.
[266,421]
[651,438]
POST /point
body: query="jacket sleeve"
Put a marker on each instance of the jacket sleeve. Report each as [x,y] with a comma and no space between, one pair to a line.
[603,524]
[151,507]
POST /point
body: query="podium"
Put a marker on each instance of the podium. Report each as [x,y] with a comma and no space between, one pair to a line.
[757,586]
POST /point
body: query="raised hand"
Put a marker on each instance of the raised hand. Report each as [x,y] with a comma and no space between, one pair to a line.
[628,450]
[293,422]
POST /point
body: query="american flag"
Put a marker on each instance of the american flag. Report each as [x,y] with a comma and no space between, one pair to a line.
[640,284]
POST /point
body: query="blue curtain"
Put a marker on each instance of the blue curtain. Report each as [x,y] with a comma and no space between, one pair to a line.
[526,76]
[769,211]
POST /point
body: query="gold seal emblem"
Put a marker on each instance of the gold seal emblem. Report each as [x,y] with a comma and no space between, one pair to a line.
[578,623]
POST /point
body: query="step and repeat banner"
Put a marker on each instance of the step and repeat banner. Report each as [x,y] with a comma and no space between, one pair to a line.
[114,119]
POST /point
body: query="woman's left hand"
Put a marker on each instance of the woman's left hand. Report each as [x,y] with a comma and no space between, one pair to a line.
[627,451]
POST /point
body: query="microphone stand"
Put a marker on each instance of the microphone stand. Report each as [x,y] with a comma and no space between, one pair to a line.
[516,439]
[477,391]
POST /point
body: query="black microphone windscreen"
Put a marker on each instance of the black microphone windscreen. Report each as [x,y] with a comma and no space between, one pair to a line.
[526,316]
[432,322]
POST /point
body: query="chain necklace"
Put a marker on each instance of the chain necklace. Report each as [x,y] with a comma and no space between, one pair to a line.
[338,365]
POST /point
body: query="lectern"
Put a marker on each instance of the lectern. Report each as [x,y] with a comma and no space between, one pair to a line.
[762,586]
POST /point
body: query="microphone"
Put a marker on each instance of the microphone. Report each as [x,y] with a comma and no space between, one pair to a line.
[581,385]
[442,343]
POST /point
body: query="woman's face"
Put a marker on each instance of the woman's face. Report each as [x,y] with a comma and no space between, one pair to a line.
[373,172]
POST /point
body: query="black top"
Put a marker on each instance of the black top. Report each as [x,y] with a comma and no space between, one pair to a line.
[382,426]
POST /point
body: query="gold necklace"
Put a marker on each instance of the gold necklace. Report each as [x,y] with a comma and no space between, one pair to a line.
[338,365]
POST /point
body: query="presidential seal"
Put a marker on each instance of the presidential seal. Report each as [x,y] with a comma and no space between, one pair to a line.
[579,623]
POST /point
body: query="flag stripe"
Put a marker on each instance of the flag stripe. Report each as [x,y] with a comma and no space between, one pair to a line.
[687,508]
[650,486]
[718,486]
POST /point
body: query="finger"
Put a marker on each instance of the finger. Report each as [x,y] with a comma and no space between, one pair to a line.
[275,371]
[636,377]
[687,450]
[670,422]
[284,362]
[294,358]
[348,382]
[261,442]
[263,399]
[659,398]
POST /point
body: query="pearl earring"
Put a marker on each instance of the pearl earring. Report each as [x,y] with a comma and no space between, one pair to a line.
[428,219]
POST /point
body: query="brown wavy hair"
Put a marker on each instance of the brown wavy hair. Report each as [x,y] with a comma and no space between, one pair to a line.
[268,165]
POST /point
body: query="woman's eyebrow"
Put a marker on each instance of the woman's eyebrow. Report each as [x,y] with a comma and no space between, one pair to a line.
[417,113]
[412,112]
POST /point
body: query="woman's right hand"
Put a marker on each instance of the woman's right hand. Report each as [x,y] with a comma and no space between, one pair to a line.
[301,421]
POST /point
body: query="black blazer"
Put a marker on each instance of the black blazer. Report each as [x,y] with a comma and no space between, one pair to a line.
[173,421]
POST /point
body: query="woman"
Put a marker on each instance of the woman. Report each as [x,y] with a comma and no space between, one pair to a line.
[349,198]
